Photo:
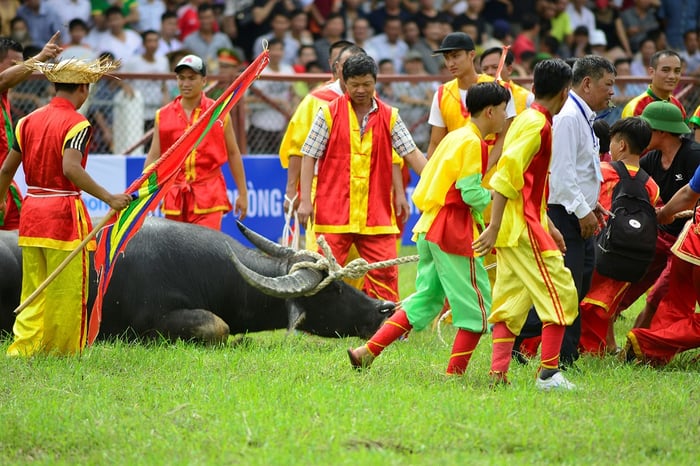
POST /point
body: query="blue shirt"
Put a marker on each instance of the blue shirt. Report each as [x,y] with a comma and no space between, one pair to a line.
[695,181]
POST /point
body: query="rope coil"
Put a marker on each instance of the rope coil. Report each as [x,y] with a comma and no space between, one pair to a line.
[355,269]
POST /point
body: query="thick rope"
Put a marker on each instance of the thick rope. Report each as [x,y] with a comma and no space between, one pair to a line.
[357,268]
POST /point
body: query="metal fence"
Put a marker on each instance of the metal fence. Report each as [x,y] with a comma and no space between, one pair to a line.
[122,116]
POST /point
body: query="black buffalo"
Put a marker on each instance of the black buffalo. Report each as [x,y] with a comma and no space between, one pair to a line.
[183,281]
[10,278]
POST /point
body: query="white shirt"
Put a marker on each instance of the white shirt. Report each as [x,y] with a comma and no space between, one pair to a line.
[106,42]
[575,175]
[584,18]
[382,49]
[68,10]
[150,12]
[151,90]
[435,118]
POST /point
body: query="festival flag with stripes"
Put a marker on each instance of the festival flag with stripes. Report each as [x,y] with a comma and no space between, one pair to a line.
[148,190]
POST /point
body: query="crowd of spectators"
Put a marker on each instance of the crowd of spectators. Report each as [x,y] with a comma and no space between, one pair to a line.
[399,34]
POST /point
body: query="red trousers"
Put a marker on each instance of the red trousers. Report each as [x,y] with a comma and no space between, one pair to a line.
[675,326]
[598,308]
[379,283]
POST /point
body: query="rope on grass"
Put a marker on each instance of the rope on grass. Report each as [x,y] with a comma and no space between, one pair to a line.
[355,269]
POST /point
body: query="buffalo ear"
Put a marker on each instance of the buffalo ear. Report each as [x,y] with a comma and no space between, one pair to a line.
[299,283]
[264,244]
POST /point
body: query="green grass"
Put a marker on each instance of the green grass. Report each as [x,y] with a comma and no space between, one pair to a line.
[276,400]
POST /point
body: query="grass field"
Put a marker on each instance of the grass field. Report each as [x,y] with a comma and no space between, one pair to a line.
[275,399]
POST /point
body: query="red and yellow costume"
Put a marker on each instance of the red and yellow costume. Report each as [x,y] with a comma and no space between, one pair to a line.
[452,198]
[530,266]
[636,106]
[353,202]
[54,221]
[10,220]
[600,305]
[675,326]
[199,194]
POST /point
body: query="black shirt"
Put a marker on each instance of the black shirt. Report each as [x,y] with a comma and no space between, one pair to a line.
[678,175]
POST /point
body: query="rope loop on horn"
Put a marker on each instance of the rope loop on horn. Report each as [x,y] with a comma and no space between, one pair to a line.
[355,269]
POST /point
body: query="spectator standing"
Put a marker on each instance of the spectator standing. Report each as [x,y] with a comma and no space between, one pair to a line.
[665,71]
[361,33]
[206,41]
[150,14]
[414,99]
[199,194]
[268,122]
[351,11]
[677,19]
[188,18]
[378,16]
[121,42]
[580,15]
[641,60]
[42,20]
[76,47]
[19,31]
[152,92]
[417,45]
[280,25]
[607,19]
[526,40]
[389,44]
[68,10]
[129,9]
[639,21]
[333,31]
[168,34]
[691,53]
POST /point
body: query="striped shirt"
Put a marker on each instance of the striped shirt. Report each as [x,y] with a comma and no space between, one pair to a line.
[316,141]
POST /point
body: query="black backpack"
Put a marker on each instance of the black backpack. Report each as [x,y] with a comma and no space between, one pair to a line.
[627,244]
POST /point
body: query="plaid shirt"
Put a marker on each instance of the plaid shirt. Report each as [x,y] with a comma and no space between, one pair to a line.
[315,144]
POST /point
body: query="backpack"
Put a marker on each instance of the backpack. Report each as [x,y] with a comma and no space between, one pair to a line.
[627,244]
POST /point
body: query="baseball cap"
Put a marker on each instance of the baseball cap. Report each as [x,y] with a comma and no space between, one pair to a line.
[455,41]
[598,38]
[665,116]
[192,62]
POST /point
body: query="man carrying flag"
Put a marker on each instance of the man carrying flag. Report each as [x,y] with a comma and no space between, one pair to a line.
[52,145]
[199,191]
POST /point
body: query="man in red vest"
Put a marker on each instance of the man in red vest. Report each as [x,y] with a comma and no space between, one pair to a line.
[52,145]
[354,201]
[199,194]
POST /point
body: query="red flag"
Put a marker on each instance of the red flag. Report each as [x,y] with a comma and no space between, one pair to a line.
[149,189]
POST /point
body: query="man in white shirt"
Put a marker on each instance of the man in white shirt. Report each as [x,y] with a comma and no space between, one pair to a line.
[574,182]
[389,44]
[168,34]
[152,91]
[120,42]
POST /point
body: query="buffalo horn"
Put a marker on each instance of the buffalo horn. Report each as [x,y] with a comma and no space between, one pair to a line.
[291,285]
[264,244]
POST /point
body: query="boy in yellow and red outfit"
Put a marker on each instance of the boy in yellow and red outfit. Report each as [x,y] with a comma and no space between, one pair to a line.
[52,144]
[628,139]
[199,194]
[354,195]
[452,200]
[530,264]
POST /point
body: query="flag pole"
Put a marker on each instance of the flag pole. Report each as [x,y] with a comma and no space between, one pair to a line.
[65,262]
